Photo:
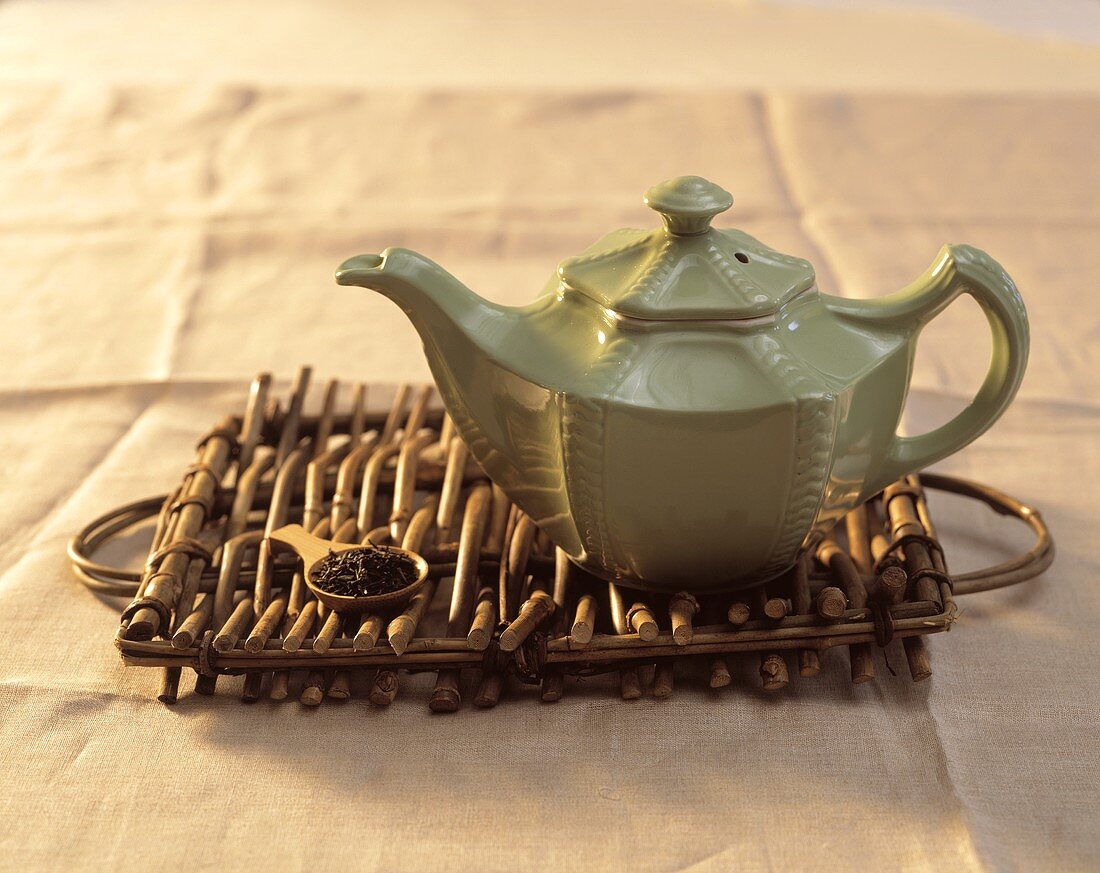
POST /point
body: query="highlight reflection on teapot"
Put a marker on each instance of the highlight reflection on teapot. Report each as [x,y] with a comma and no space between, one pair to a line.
[691,386]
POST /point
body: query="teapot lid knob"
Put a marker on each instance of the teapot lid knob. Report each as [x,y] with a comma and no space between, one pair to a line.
[688,203]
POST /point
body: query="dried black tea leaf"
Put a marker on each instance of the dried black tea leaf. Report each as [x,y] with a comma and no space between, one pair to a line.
[366,572]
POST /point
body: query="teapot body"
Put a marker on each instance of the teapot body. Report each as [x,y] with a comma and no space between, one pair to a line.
[686,456]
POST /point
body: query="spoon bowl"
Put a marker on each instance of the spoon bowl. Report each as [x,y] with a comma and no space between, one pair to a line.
[313,550]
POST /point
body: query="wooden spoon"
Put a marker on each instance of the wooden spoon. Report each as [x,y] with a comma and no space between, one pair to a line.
[312,550]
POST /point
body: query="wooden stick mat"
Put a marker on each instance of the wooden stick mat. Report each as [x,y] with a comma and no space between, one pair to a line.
[502,607]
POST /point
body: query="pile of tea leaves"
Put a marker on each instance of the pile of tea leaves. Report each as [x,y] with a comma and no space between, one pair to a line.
[365,572]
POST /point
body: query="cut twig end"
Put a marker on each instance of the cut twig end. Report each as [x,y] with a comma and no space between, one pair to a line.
[478,639]
[400,632]
[891,584]
[809,663]
[773,672]
[681,609]
[488,692]
[630,684]
[831,603]
[916,653]
[738,613]
[663,682]
[313,692]
[719,673]
[641,619]
[553,686]
[777,608]
[384,689]
[445,700]
[535,610]
[580,635]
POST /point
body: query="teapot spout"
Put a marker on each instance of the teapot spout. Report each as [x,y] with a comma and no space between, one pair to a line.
[454,323]
[461,331]
[434,300]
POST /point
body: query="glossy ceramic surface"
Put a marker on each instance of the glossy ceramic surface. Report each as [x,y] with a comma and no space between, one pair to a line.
[691,385]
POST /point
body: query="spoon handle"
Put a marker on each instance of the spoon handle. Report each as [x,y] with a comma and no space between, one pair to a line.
[310,549]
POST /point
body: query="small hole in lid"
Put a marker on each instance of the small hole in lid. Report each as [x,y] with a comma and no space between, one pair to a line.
[742,257]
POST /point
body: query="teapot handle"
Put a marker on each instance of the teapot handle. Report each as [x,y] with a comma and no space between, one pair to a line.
[958,269]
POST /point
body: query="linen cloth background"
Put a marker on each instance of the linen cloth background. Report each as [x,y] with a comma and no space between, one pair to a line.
[164,237]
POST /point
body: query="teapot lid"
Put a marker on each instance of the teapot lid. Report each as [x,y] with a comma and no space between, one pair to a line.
[687,269]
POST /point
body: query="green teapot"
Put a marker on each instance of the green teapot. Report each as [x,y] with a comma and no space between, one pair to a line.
[682,408]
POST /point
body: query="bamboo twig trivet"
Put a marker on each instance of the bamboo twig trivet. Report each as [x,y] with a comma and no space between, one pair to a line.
[214,598]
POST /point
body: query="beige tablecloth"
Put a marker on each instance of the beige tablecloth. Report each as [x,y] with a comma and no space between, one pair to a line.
[162,241]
